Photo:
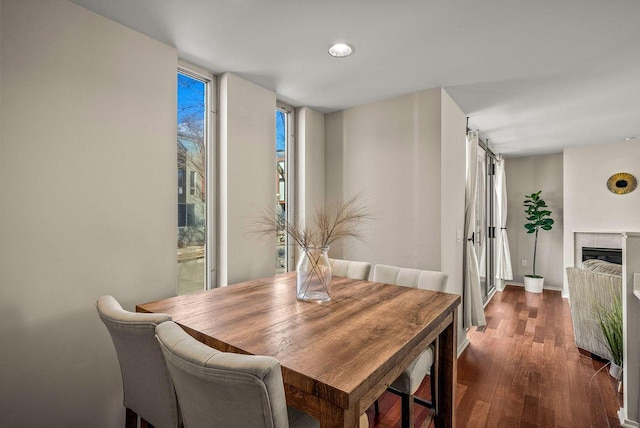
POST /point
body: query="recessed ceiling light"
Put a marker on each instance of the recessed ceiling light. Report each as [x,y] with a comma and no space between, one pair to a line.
[629,138]
[340,50]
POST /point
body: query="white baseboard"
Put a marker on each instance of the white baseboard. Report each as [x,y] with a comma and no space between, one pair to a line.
[493,293]
[463,346]
[546,287]
[625,422]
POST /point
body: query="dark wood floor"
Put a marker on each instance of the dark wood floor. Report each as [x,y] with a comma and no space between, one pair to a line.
[523,370]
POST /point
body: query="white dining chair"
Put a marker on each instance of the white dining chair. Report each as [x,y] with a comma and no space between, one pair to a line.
[350,269]
[409,381]
[147,387]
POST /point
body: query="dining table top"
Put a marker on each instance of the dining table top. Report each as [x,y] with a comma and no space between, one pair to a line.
[335,350]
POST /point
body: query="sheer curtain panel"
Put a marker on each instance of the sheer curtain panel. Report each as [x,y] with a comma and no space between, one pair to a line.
[472,303]
[503,261]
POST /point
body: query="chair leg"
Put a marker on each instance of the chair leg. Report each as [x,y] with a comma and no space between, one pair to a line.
[407,400]
[130,419]
[433,380]
[407,410]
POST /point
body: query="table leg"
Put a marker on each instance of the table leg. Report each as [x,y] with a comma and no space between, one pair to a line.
[332,416]
[446,366]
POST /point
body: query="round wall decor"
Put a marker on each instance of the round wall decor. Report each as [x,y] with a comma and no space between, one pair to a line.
[622,183]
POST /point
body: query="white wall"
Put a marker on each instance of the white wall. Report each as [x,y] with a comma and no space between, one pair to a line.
[631,328]
[589,205]
[87,204]
[408,155]
[247,177]
[526,175]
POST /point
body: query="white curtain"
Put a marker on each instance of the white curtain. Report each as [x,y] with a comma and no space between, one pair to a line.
[481,216]
[503,261]
[472,305]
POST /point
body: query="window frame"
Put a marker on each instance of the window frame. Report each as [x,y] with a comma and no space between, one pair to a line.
[290,159]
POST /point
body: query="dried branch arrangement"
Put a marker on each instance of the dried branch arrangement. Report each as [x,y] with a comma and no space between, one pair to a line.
[329,224]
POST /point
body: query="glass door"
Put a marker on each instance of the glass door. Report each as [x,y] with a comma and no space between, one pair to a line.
[485,229]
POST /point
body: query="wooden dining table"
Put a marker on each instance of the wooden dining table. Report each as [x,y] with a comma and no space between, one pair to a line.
[337,357]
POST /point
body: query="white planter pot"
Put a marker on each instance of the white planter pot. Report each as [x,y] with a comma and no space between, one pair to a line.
[615,371]
[533,285]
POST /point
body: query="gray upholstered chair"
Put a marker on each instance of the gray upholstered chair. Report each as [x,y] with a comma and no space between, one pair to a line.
[596,281]
[409,381]
[148,390]
[350,269]
[220,389]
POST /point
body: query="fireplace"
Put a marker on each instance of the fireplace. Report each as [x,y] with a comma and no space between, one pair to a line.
[600,241]
[611,255]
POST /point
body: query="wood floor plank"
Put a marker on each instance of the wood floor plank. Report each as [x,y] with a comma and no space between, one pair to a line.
[522,370]
[480,412]
[597,411]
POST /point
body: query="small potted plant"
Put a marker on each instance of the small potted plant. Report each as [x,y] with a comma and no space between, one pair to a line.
[539,217]
[610,321]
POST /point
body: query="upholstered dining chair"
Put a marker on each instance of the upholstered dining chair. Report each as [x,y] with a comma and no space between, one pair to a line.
[350,269]
[148,390]
[220,389]
[409,381]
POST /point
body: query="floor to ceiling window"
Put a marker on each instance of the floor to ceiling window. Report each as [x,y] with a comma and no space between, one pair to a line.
[283,185]
[193,180]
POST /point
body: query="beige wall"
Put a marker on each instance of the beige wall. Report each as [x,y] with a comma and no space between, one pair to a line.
[589,205]
[407,154]
[453,172]
[390,150]
[310,161]
[247,177]
[334,162]
[87,204]
[524,176]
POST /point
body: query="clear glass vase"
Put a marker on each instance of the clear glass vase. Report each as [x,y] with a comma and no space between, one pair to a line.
[313,275]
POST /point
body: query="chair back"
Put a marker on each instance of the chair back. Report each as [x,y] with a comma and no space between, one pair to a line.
[147,386]
[416,278]
[219,389]
[350,269]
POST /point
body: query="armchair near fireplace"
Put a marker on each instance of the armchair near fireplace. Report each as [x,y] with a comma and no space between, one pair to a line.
[595,281]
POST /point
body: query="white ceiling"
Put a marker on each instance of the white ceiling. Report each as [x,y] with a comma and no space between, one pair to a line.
[533,76]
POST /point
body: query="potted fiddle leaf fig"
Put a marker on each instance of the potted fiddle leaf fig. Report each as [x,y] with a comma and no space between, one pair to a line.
[538,218]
